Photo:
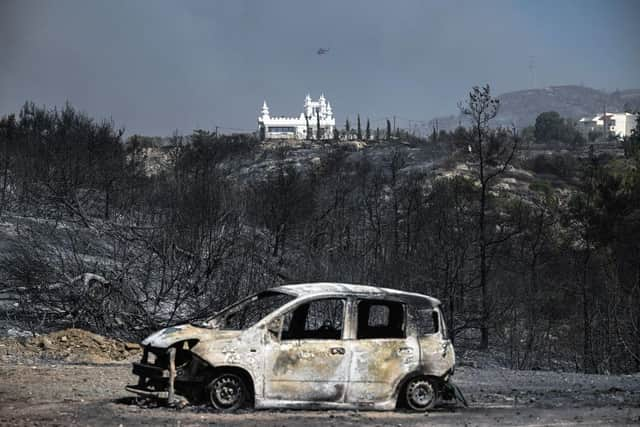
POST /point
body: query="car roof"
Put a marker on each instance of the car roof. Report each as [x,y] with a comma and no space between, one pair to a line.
[325,288]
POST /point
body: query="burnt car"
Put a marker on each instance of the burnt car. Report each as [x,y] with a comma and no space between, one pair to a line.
[318,345]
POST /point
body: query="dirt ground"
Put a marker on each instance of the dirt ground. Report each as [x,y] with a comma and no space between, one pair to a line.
[75,377]
[64,393]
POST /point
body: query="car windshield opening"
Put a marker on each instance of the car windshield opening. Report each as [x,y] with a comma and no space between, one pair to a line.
[248,312]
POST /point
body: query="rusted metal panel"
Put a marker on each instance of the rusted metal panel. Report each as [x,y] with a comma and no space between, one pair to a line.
[309,289]
[308,370]
[172,374]
[437,355]
[171,335]
[378,366]
[244,350]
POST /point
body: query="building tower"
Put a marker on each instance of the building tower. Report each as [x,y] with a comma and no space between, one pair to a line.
[308,106]
[322,106]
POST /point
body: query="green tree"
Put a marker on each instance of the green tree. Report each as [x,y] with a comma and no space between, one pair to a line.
[632,142]
[388,129]
[368,130]
[359,129]
[549,127]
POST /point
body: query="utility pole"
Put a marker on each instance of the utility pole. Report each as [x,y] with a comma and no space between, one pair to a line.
[394,124]
[605,128]
[532,71]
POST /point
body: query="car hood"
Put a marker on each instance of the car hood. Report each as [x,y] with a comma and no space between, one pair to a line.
[166,337]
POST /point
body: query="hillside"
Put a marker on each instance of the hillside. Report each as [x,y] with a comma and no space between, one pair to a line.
[522,107]
[121,239]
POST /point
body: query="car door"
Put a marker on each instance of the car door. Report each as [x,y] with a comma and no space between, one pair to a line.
[436,351]
[381,352]
[309,362]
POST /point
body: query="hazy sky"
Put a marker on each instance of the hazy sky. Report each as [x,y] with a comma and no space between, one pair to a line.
[157,66]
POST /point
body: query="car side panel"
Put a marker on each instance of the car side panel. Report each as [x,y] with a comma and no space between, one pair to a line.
[245,352]
[307,370]
[378,366]
[436,355]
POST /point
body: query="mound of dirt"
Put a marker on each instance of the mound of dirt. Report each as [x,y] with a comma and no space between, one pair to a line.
[70,345]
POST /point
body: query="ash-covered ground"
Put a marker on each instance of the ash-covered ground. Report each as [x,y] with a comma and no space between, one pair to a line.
[42,383]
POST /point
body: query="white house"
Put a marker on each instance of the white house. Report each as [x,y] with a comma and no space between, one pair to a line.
[619,124]
[297,127]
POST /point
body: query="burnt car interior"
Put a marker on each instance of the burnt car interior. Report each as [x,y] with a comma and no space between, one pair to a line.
[318,319]
[380,319]
[248,313]
[426,320]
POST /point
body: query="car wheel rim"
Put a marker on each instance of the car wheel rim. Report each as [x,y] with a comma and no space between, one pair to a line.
[227,391]
[420,394]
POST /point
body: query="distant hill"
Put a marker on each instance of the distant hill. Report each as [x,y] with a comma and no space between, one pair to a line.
[521,108]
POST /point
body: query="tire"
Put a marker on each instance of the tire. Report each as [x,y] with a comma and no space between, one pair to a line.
[421,394]
[228,392]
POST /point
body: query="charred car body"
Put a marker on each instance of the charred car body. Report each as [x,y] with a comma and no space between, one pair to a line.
[319,345]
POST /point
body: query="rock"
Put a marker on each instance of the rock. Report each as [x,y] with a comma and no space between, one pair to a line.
[45,343]
[130,346]
[98,339]
[178,402]
[64,338]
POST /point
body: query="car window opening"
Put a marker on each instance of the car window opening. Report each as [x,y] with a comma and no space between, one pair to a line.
[426,320]
[380,319]
[319,319]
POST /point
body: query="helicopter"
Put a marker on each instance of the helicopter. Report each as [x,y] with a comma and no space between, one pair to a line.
[322,51]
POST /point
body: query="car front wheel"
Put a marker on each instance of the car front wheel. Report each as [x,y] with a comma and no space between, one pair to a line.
[228,392]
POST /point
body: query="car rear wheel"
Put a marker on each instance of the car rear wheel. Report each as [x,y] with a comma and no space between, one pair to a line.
[228,392]
[421,394]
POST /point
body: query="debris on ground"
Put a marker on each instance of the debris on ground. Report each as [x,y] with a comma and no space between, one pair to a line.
[69,345]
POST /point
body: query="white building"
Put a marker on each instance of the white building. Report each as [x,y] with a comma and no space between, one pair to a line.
[619,124]
[297,127]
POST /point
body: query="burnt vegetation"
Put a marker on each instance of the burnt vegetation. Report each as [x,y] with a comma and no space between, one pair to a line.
[547,272]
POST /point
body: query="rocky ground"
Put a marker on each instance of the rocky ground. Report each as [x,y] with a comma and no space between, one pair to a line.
[69,345]
[41,386]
